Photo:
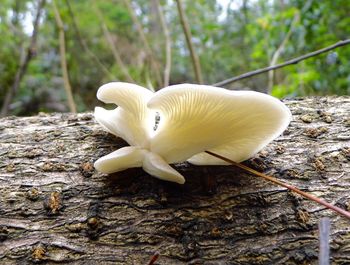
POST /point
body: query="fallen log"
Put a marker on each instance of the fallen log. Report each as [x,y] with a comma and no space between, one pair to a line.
[55,208]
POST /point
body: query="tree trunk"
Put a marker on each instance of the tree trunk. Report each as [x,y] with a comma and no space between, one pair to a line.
[56,209]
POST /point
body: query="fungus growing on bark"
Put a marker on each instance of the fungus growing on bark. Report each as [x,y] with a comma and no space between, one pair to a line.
[193,119]
[203,125]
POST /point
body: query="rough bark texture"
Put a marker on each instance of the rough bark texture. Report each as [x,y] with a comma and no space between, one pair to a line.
[54,208]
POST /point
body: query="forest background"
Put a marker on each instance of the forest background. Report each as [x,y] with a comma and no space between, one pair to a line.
[51,49]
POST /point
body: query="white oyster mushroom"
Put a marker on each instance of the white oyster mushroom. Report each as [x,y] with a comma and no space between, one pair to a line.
[133,122]
[196,118]
[193,119]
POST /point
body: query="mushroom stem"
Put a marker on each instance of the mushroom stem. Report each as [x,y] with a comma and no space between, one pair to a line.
[280,183]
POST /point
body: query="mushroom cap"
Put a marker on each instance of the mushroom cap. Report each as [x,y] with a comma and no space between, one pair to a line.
[131,156]
[196,118]
[131,120]
[121,159]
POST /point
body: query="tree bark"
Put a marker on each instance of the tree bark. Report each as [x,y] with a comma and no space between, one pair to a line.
[56,209]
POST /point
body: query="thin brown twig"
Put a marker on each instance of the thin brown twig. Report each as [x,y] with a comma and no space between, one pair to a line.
[154,258]
[292,61]
[112,46]
[84,45]
[188,35]
[24,62]
[167,44]
[280,183]
[64,68]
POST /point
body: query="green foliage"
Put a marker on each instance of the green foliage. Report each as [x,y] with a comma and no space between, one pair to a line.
[229,39]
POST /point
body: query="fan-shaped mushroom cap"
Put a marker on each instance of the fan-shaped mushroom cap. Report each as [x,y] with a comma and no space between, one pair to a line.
[131,120]
[156,166]
[195,118]
[123,158]
[131,156]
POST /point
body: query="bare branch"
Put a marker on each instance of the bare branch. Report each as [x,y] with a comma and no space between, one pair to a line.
[84,45]
[112,46]
[292,61]
[24,61]
[167,44]
[65,75]
[187,32]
